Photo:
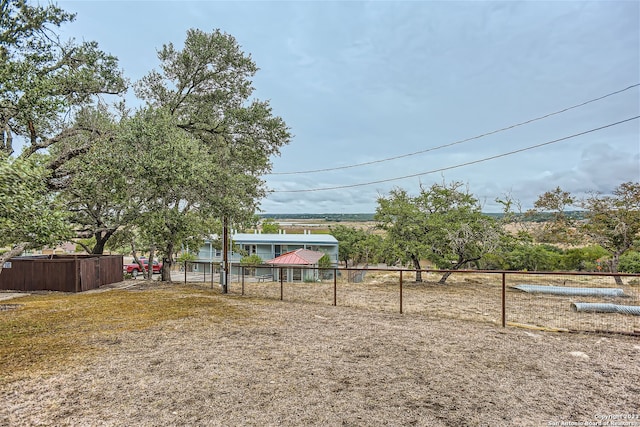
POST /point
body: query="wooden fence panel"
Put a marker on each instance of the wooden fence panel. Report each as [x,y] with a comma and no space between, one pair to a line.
[66,273]
[111,269]
[89,274]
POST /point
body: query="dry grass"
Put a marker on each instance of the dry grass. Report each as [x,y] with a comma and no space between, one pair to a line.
[473,297]
[50,330]
[156,354]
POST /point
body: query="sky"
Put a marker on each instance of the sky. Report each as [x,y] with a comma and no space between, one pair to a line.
[401,85]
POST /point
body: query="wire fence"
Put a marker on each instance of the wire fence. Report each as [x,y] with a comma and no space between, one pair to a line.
[558,301]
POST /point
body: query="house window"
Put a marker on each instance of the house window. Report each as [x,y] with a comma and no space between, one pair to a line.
[249,249]
[277,250]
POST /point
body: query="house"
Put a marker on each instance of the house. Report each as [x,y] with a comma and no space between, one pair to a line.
[294,261]
[267,247]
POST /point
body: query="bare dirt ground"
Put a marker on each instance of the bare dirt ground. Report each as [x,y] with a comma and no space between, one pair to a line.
[304,363]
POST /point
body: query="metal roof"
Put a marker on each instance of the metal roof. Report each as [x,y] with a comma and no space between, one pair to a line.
[248,238]
[297,257]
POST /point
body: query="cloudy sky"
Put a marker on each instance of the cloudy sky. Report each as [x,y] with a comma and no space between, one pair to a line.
[399,85]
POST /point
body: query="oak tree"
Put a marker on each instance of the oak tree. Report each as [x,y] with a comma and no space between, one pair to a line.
[443,223]
[206,88]
[44,80]
[613,221]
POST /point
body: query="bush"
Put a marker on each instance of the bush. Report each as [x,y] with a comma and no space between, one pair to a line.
[493,261]
[630,262]
[186,256]
[251,260]
[534,258]
[584,259]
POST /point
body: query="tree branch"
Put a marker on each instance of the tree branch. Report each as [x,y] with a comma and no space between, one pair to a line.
[15,251]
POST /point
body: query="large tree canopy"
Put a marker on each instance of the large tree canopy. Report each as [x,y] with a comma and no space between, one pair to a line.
[171,176]
[98,187]
[43,78]
[165,174]
[443,223]
[199,109]
[399,215]
[207,88]
[44,83]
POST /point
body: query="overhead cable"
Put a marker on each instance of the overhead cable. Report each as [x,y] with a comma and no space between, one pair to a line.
[460,141]
[509,153]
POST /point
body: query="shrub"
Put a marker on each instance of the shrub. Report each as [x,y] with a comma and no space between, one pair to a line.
[630,262]
[582,259]
[251,260]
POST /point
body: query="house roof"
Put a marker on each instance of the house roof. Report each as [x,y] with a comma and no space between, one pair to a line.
[297,257]
[278,239]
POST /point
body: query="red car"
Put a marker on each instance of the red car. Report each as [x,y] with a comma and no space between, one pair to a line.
[134,268]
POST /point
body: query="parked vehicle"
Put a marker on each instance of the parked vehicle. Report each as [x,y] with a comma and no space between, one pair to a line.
[134,268]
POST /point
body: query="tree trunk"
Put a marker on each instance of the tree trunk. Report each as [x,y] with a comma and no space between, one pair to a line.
[167,262]
[444,277]
[416,265]
[152,254]
[7,142]
[460,263]
[613,266]
[101,241]
[136,259]
[15,251]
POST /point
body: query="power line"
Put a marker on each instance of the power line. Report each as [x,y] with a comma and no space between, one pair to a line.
[458,165]
[460,141]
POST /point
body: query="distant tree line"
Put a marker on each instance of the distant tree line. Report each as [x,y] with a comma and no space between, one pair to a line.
[332,217]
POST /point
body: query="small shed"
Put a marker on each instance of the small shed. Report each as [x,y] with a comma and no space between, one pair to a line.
[296,261]
[65,273]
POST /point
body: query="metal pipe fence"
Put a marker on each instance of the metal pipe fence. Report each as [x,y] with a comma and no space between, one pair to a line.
[485,296]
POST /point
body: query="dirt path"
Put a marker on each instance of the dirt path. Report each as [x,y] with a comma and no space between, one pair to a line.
[302,364]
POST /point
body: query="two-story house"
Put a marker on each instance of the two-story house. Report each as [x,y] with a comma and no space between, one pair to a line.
[267,247]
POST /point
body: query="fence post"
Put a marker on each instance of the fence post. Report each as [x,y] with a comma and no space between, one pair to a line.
[504,299]
[211,271]
[335,286]
[281,284]
[400,291]
[242,274]
[185,272]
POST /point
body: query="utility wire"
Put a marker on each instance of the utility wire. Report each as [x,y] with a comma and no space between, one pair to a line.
[458,165]
[460,141]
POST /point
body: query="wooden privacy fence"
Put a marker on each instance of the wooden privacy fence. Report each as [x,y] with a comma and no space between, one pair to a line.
[65,273]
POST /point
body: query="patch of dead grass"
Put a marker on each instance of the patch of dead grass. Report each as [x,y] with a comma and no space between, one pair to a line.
[48,331]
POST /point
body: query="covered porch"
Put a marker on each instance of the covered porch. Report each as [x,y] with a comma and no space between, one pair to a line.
[300,265]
